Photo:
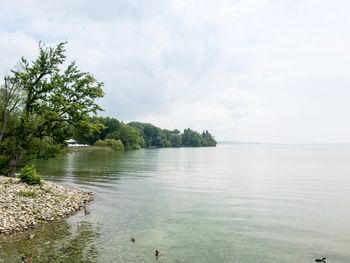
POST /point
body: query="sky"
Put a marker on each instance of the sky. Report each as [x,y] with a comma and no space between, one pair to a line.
[270,71]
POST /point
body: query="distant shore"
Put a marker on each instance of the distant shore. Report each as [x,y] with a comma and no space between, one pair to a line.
[93,148]
[24,206]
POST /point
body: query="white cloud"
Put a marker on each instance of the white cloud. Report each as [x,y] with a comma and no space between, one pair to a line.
[270,70]
[13,46]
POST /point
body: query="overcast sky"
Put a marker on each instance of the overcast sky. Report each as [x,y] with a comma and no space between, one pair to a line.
[249,70]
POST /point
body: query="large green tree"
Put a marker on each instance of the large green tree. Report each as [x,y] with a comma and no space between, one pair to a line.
[191,138]
[130,136]
[40,103]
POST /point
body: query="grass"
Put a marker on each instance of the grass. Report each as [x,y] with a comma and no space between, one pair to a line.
[9,181]
[29,193]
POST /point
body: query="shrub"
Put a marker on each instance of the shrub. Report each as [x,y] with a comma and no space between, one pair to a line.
[29,193]
[100,143]
[28,175]
[117,145]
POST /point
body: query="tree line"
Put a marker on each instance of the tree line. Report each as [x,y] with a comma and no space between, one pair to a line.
[48,100]
[135,135]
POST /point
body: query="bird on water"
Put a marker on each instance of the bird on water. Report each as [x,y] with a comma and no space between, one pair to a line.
[320,259]
[28,259]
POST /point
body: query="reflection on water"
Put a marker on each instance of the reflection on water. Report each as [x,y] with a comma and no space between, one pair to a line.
[60,241]
[239,203]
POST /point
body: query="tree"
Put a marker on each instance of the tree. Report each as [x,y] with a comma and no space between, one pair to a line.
[208,139]
[191,138]
[108,129]
[10,102]
[175,140]
[147,131]
[45,103]
[130,137]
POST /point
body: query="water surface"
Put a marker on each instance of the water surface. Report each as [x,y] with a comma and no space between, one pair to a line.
[232,203]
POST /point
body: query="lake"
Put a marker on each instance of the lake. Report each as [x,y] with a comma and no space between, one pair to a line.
[232,203]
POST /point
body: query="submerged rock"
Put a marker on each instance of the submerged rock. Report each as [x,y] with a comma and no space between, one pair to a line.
[24,206]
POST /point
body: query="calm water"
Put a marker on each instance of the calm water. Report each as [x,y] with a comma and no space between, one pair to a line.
[232,203]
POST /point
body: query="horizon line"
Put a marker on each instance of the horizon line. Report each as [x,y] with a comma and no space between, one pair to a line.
[282,143]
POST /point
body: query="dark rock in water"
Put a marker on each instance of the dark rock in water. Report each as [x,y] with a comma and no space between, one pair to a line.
[86,211]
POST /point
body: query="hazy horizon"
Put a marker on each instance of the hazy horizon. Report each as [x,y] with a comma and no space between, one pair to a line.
[277,143]
[263,71]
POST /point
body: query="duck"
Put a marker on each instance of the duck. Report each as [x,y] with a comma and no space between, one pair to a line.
[30,236]
[320,259]
[133,240]
[158,253]
[28,259]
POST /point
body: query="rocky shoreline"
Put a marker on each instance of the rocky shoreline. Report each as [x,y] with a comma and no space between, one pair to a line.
[24,206]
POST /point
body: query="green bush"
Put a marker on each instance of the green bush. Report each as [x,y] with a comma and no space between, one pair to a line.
[28,175]
[117,145]
[100,143]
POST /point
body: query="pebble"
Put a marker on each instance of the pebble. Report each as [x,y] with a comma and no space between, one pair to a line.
[53,201]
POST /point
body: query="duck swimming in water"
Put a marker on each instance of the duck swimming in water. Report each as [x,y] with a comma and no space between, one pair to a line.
[320,259]
[30,236]
[159,253]
[28,259]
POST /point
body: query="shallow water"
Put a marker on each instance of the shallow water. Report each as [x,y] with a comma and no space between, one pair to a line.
[232,203]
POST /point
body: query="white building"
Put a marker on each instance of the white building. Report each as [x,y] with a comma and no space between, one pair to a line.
[73,143]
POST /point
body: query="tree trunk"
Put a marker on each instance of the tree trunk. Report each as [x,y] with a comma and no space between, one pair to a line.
[13,166]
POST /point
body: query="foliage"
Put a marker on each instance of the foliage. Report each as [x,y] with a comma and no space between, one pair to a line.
[208,139]
[10,101]
[191,138]
[157,137]
[175,140]
[41,105]
[28,175]
[136,135]
[107,126]
[129,136]
[29,193]
[117,145]
[154,136]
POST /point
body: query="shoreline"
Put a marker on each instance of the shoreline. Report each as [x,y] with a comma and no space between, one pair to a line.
[90,149]
[23,206]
